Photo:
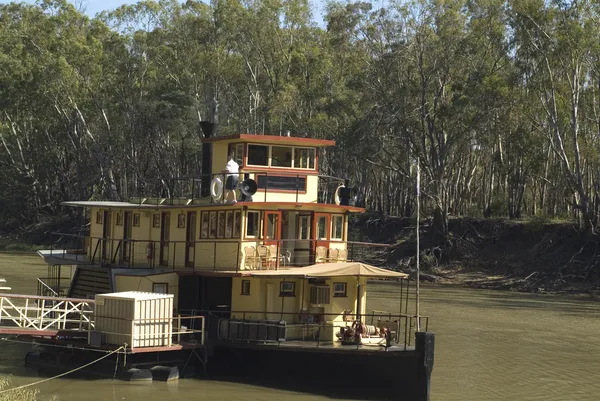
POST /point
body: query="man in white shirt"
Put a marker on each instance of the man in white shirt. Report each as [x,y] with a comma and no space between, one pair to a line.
[232,169]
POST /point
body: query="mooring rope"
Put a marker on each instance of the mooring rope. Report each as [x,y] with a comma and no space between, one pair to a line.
[186,362]
[64,374]
[116,367]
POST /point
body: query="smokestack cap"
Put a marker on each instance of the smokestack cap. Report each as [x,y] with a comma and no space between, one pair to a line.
[208,128]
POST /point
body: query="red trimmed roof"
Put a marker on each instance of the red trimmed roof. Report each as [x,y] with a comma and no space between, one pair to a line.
[273,139]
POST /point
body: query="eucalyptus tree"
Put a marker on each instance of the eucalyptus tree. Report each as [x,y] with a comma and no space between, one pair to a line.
[440,122]
[553,43]
[355,45]
[50,67]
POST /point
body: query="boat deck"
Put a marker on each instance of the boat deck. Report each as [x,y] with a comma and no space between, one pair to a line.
[308,346]
[65,339]
[31,332]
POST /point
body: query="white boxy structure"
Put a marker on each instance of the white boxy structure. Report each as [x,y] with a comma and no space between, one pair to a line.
[138,319]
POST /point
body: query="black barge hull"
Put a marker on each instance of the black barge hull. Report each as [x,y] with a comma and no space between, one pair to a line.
[366,372]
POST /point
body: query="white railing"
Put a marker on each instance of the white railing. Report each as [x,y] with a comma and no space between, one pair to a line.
[47,313]
[160,332]
[4,288]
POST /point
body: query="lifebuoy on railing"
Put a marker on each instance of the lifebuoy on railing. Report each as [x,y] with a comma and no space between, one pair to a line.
[336,197]
[216,188]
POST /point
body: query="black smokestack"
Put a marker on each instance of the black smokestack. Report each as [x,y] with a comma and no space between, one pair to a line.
[209,129]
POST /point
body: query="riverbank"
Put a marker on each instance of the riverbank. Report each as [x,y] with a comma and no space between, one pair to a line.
[537,255]
[483,280]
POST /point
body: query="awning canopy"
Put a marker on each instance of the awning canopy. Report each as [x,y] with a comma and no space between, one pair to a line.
[332,270]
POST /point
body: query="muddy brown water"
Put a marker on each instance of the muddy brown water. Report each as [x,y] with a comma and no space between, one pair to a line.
[490,345]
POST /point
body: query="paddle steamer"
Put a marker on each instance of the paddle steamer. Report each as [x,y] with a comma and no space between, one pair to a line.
[261,281]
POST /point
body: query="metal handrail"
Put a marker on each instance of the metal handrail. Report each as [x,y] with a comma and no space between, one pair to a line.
[46,286]
[168,332]
[190,187]
[403,330]
[46,298]
[147,253]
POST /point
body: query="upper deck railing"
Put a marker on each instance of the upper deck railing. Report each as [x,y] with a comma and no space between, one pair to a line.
[190,188]
[216,255]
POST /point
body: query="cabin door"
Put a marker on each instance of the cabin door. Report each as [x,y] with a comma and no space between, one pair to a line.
[272,228]
[190,239]
[126,244]
[106,234]
[272,234]
[303,247]
[165,234]
[321,234]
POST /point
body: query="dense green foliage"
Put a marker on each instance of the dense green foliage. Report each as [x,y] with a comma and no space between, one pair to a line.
[499,101]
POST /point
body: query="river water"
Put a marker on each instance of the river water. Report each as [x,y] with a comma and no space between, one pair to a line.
[490,345]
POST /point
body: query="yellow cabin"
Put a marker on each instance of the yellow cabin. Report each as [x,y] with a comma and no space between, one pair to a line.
[236,253]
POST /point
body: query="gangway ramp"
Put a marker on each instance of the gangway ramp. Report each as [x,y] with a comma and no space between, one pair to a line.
[44,316]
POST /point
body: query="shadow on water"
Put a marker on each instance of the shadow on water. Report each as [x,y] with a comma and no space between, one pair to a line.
[13,363]
[355,390]
[14,356]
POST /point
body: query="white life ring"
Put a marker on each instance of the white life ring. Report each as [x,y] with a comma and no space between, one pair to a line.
[216,188]
[336,197]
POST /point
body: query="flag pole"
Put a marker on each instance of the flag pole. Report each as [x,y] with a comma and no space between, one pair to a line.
[418,323]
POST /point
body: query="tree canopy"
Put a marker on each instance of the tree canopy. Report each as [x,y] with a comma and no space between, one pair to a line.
[499,102]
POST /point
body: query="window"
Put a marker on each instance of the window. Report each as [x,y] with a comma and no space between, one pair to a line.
[204,225]
[252,224]
[213,225]
[281,156]
[287,289]
[236,223]
[337,226]
[303,227]
[238,152]
[160,288]
[321,229]
[245,287]
[156,220]
[304,158]
[136,219]
[120,218]
[319,295]
[272,230]
[339,290]
[228,223]
[221,225]
[181,220]
[258,155]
